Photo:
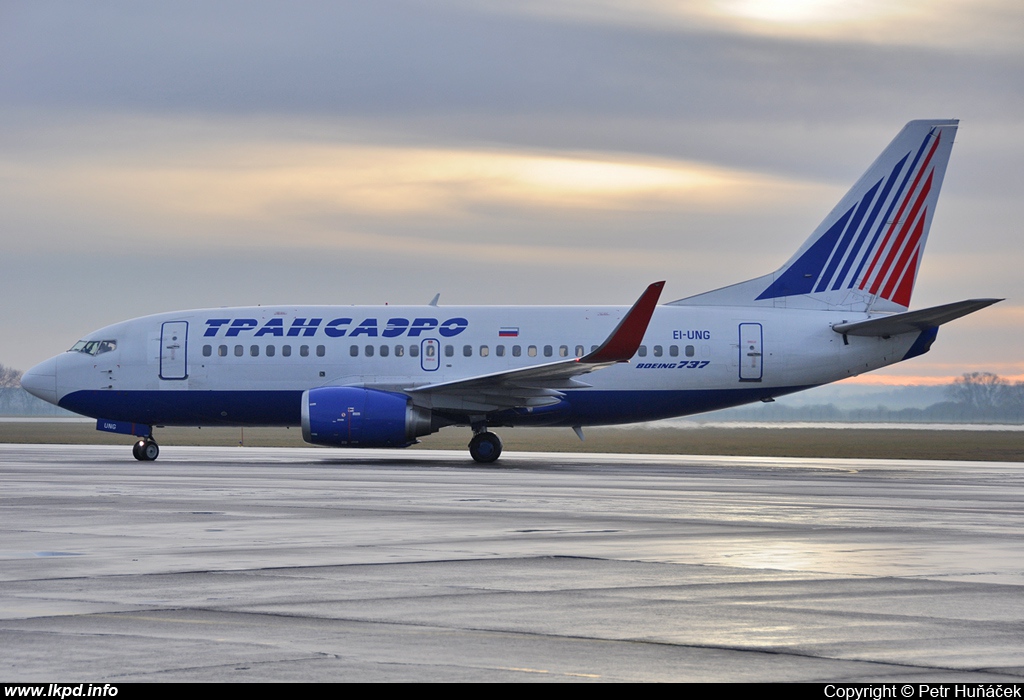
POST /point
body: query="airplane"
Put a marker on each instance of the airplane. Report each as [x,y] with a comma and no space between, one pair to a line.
[384,376]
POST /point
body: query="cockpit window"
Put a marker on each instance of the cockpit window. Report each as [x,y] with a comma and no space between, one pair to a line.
[94,347]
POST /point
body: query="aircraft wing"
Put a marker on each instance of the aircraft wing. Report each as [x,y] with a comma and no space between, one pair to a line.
[913,321]
[539,385]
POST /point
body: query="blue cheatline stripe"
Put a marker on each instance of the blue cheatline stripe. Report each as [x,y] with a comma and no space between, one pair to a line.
[870,250]
[844,244]
[189,407]
[799,278]
[281,408]
[861,251]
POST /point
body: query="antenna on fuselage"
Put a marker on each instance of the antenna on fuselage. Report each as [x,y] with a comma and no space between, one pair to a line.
[433,302]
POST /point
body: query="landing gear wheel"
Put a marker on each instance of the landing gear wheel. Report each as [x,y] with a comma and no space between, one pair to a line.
[151,451]
[146,450]
[485,447]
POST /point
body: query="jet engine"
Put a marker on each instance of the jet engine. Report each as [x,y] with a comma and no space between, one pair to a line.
[343,416]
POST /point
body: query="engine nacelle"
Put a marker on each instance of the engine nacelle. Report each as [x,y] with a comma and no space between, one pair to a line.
[344,416]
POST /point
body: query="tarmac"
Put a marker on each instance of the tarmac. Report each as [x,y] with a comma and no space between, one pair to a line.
[306,564]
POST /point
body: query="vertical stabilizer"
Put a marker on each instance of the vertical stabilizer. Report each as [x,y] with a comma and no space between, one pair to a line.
[866,253]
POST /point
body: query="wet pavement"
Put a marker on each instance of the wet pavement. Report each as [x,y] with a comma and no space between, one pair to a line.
[255,564]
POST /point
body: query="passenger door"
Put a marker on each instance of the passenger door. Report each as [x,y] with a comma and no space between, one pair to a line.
[174,350]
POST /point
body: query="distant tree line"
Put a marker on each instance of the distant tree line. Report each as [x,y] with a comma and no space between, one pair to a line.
[10,378]
[983,395]
[976,397]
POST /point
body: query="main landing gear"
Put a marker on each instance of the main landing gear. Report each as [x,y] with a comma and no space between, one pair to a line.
[146,449]
[485,447]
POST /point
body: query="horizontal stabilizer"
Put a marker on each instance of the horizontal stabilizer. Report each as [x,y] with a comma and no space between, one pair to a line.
[913,321]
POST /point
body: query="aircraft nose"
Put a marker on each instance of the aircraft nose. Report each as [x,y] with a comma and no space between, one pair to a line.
[41,380]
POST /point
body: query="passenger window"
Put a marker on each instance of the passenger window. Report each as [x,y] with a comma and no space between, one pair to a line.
[499,350]
[286,350]
[689,351]
[593,348]
[548,351]
[579,351]
[484,351]
[239,351]
[399,350]
[369,351]
[254,350]
[354,351]
[642,351]
[516,351]
[270,351]
[304,350]
[657,351]
[321,351]
[449,351]
[383,350]
[222,351]
[531,350]
[414,351]
[563,351]
[673,350]
[207,350]
[467,350]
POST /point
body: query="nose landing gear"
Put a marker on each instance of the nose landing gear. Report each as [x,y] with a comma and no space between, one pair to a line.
[146,450]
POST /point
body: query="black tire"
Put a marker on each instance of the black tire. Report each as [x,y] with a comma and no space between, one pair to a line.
[485,447]
[137,450]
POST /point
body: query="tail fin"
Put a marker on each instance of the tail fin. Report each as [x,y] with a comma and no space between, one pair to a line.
[866,253]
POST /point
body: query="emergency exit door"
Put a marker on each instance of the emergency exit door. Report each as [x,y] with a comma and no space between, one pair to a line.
[430,355]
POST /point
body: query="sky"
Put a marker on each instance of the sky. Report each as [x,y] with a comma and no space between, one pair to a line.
[173,155]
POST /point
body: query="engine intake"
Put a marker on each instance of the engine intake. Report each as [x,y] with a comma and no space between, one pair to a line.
[343,416]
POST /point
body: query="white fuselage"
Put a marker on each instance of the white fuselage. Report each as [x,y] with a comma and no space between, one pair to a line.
[247,365]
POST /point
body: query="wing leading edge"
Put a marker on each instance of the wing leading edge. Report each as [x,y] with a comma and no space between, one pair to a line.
[540,385]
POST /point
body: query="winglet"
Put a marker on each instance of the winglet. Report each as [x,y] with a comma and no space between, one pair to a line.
[623,342]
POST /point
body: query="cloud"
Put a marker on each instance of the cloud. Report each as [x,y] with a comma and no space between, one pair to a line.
[964,24]
[402,57]
[228,188]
